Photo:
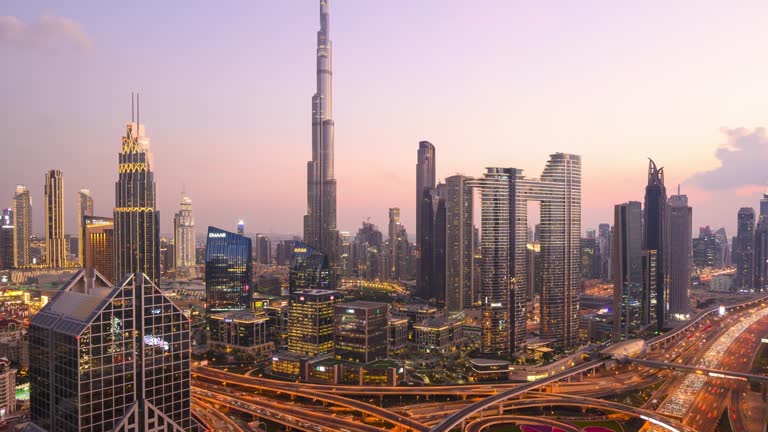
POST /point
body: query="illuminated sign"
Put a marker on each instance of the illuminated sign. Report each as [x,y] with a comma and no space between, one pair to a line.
[320,368]
[217,235]
[722,310]
[299,250]
[764,340]
[350,311]
[493,305]
[150,340]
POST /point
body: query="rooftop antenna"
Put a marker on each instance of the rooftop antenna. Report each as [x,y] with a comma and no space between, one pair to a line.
[133,110]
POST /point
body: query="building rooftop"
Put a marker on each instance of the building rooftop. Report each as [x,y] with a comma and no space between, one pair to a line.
[245,316]
[437,323]
[363,304]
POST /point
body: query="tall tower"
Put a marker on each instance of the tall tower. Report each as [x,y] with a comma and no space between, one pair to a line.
[320,221]
[85,208]
[655,235]
[22,221]
[55,246]
[744,252]
[679,254]
[425,181]
[393,265]
[628,272]
[184,235]
[7,232]
[764,204]
[458,243]
[137,222]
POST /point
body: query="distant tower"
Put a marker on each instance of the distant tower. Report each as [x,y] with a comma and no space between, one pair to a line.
[761,254]
[55,244]
[241,227]
[184,235]
[228,272]
[628,274]
[320,221]
[655,235]
[137,222]
[745,251]
[85,208]
[679,254]
[7,232]
[22,221]
[764,204]
[458,244]
[393,264]
[425,185]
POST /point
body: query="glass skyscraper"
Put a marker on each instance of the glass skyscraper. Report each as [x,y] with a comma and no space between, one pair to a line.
[655,236]
[309,269]
[110,358]
[55,246]
[628,270]
[228,271]
[22,222]
[85,208]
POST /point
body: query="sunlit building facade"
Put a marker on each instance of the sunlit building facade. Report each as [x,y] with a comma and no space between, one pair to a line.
[228,272]
[22,222]
[98,239]
[184,235]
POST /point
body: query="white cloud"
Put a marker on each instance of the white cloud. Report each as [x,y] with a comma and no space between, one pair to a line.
[48,31]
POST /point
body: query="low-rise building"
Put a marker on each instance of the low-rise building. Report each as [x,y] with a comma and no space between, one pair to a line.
[438,335]
[244,330]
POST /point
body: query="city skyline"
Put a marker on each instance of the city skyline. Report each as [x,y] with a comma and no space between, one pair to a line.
[183,134]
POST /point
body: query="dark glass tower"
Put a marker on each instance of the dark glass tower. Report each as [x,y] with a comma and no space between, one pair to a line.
[761,254]
[137,222]
[228,272]
[654,237]
[308,269]
[320,229]
[425,216]
[628,270]
[745,249]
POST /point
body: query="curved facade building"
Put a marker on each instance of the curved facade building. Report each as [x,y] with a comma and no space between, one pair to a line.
[228,272]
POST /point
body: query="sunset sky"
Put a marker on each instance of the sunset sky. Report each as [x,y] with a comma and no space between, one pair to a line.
[226,89]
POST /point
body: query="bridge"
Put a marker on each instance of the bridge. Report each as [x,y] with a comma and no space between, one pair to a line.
[716,373]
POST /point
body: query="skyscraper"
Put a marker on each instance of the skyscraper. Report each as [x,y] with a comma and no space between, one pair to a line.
[458,244]
[745,251]
[310,321]
[55,245]
[761,254]
[7,232]
[228,271]
[22,222]
[393,262]
[655,235]
[606,250]
[109,357]
[361,331]
[184,235]
[628,276]
[308,269]
[263,249]
[320,221]
[437,288]
[427,200]
[496,323]
[137,222]
[98,239]
[764,204]
[679,255]
[85,208]
[425,180]
[707,251]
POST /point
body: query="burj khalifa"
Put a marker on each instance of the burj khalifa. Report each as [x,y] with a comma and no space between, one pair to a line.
[320,229]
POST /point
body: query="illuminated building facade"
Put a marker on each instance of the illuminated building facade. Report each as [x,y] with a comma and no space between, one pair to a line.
[98,239]
[361,331]
[311,322]
[245,330]
[7,388]
[744,251]
[137,222]
[84,208]
[655,236]
[7,232]
[109,357]
[22,222]
[309,269]
[55,246]
[228,272]
[184,235]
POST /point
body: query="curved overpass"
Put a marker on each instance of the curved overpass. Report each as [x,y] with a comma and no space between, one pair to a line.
[480,424]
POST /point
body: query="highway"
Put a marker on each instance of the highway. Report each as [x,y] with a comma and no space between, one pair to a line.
[212,418]
[480,424]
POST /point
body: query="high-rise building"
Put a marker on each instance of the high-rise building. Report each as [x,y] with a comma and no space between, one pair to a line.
[7,232]
[7,387]
[241,227]
[496,323]
[458,243]
[707,251]
[725,250]
[22,222]
[648,300]
[679,255]
[764,204]
[263,249]
[426,201]
[121,356]
[361,331]
[394,251]
[590,258]
[744,251]
[311,322]
[437,288]
[137,222]
[426,179]
[761,254]
[99,246]
[228,272]
[320,230]
[55,246]
[605,249]
[283,252]
[366,253]
[655,236]
[628,271]
[425,273]
[184,235]
[84,208]
[309,269]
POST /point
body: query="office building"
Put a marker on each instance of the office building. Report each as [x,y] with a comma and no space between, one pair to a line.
[761,254]
[22,222]
[320,230]
[366,253]
[84,208]
[725,248]
[244,330]
[7,233]
[679,255]
[394,250]
[436,292]
[228,272]
[426,201]
[283,252]
[458,243]
[55,246]
[241,227]
[361,331]
[655,236]
[605,249]
[99,246]
[438,335]
[707,251]
[184,236]
[628,270]
[648,300]
[121,355]
[764,204]
[590,258]
[7,388]
[426,179]
[309,269]
[263,250]
[137,222]
[311,321]
[398,335]
[744,251]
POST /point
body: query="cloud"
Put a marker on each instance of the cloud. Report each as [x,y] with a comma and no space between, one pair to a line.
[48,31]
[743,159]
